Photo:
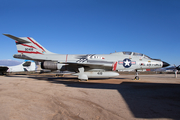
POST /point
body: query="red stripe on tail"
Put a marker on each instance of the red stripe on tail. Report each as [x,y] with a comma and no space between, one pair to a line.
[20,51]
[35,43]
[28,46]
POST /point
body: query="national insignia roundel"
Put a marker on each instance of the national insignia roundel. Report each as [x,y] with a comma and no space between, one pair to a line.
[127,63]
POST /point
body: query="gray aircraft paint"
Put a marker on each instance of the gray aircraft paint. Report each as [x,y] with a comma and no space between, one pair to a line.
[86,66]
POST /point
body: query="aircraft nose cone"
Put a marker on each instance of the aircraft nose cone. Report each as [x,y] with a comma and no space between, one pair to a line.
[165,64]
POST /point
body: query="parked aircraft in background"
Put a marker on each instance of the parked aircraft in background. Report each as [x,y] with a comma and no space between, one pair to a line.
[173,68]
[25,66]
[85,66]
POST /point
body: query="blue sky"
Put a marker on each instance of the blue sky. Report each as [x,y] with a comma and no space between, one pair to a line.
[151,27]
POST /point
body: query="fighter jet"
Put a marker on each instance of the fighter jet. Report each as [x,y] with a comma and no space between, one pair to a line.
[25,66]
[87,65]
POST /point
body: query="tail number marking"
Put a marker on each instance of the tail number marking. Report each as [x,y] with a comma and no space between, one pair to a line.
[28,49]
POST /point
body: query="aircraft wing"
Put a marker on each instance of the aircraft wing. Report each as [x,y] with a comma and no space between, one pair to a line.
[86,64]
[91,65]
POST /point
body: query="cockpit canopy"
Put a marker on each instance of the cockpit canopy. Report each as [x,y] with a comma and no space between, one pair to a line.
[134,54]
[139,54]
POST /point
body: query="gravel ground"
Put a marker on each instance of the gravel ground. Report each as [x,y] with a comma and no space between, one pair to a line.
[44,97]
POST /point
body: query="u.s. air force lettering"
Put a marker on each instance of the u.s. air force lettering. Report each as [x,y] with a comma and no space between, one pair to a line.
[127,63]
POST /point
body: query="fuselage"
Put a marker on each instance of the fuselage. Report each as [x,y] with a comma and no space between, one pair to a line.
[21,68]
[121,61]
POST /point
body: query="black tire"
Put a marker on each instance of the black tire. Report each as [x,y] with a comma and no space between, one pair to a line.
[137,77]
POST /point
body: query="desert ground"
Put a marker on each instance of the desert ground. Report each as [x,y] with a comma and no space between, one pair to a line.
[45,97]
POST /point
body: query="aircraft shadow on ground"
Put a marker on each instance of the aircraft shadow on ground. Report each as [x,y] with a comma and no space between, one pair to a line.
[145,100]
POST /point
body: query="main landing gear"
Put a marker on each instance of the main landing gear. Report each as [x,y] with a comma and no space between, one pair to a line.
[136,77]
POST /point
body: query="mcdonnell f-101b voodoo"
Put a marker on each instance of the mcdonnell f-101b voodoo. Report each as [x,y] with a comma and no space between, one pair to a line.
[85,66]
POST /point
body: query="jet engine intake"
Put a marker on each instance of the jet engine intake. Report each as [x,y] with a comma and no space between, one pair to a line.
[51,65]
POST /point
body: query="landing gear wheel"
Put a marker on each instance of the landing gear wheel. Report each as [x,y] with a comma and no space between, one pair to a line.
[136,78]
[56,75]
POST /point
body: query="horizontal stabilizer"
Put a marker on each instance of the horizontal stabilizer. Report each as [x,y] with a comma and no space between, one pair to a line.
[17,39]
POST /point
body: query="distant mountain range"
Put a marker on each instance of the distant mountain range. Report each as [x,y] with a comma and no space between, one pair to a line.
[9,62]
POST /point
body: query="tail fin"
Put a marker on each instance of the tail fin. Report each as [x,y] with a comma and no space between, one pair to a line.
[28,45]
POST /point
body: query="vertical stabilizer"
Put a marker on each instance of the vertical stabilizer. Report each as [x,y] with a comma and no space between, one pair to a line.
[28,45]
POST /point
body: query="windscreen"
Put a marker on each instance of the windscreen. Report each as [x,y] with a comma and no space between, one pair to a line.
[127,53]
[137,54]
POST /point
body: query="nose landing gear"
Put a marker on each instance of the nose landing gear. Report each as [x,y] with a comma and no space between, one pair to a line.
[136,77]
